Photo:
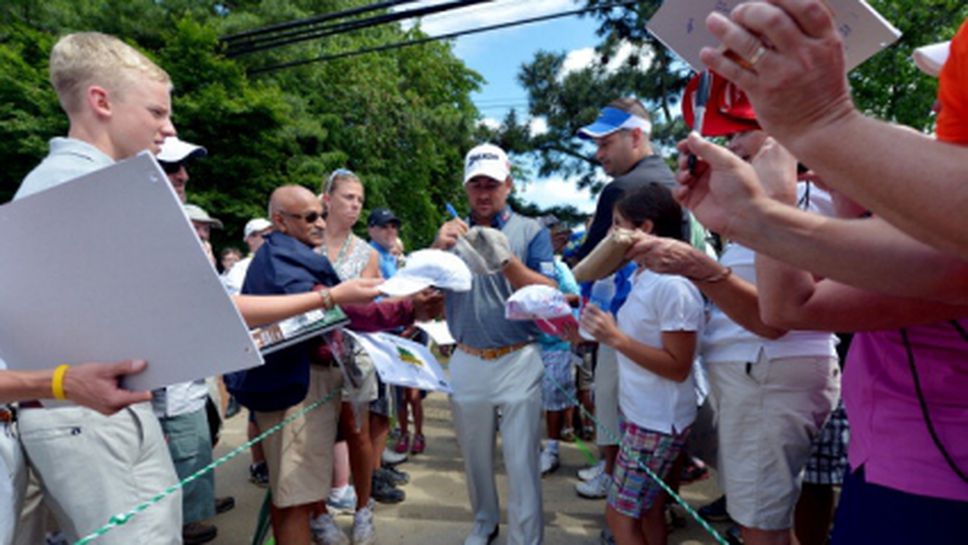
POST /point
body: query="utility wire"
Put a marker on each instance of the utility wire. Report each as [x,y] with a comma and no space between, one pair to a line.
[281,39]
[314,20]
[419,41]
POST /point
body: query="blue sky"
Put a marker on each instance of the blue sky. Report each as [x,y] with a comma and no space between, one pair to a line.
[498,56]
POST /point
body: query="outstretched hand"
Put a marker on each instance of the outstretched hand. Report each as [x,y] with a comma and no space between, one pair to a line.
[670,256]
[95,385]
[719,188]
[788,56]
[356,291]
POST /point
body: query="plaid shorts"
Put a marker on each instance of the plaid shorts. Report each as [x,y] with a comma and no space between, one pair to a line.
[828,452]
[633,492]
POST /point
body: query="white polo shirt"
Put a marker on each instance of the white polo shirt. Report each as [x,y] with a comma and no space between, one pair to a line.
[658,303]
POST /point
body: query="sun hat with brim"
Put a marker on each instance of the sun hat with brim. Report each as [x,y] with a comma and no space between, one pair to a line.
[426,268]
[197,213]
[174,150]
[612,119]
[728,109]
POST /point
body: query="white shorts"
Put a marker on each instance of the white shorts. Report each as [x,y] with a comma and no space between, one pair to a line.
[769,411]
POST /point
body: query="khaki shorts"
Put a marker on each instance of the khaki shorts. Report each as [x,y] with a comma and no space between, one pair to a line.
[606,397]
[300,455]
[769,412]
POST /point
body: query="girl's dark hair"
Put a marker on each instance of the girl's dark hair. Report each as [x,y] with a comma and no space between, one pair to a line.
[653,202]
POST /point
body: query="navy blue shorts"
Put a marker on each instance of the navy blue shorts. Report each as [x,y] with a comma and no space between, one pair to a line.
[874,514]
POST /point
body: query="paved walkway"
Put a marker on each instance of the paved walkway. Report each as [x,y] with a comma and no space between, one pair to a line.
[436,510]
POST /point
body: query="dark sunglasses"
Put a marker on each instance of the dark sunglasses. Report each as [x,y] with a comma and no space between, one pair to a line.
[171,168]
[311,217]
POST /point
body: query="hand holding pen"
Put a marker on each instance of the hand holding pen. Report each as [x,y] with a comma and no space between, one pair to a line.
[700,98]
[450,231]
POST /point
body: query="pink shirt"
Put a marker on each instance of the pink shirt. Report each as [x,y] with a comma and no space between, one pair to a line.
[888,435]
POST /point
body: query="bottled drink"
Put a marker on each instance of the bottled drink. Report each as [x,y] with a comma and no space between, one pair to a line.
[601,296]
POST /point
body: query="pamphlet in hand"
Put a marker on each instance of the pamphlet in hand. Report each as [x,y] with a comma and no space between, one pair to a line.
[402,362]
[681,26]
[297,329]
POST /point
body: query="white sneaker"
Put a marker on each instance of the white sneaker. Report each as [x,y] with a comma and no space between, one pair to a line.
[363,531]
[549,461]
[392,458]
[596,488]
[326,532]
[590,472]
[342,500]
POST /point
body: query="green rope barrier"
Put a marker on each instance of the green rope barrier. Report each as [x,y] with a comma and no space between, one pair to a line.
[638,461]
[123,518]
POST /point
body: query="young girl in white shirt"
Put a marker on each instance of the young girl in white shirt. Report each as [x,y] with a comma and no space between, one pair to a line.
[656,337]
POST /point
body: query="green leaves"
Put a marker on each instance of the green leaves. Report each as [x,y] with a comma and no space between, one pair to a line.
[401,119]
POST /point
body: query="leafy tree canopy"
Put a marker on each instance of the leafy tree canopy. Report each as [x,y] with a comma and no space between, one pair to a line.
[400,119]
[888,85]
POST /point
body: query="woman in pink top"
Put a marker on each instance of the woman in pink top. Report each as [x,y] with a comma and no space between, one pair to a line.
[904,388]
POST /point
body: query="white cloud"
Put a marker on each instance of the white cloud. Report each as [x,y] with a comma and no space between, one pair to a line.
[490,123]
[587,56]
[486,14]
[537,126]
[557,191]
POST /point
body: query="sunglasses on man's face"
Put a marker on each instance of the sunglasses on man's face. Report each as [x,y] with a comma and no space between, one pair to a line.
[311,217]
[171,168]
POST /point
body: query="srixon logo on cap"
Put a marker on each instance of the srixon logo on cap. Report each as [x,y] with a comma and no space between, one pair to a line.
[483,156]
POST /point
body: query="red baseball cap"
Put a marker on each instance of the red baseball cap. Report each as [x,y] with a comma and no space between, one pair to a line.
[728,110]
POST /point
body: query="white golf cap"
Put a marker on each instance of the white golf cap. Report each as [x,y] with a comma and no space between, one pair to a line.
[426,268]
[174,150]
[254,226]
[487,160]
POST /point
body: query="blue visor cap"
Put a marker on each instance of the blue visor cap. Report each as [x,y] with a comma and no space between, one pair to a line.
[611,120]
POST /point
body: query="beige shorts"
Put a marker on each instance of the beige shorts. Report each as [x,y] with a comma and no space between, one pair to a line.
[606,397]
[769,412]
[300,456]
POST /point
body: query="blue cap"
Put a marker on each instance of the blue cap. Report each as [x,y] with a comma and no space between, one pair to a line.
[612,119]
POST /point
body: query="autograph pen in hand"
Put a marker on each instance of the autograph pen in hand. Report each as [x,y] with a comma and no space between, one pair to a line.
[699,100]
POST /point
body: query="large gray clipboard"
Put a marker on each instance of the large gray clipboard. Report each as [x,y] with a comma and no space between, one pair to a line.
[108,267]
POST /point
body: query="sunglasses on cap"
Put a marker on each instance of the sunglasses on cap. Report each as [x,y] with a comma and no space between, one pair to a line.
[171,168]
[311,217]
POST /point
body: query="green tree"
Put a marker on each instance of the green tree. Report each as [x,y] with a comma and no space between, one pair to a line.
[888,85]
[401,119]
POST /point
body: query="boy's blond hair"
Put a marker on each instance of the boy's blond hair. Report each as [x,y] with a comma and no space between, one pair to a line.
[82,59]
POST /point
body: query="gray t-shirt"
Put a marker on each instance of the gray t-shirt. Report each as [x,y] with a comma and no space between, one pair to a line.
[68,159]
[476,318]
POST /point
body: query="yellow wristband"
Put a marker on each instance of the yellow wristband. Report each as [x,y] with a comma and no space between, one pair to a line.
[57,383]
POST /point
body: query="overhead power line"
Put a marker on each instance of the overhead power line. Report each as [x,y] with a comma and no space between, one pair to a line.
[314,20]
[271,39]
[447,36]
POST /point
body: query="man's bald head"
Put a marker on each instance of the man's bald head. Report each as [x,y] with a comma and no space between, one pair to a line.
[297,212]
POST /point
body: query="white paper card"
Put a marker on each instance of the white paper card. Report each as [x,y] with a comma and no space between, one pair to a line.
[107,267]
[403,362]
[681,26]
[438,331]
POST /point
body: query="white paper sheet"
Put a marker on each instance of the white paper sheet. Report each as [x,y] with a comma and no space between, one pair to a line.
[681,26]
[108,267]
[438,331]
[403,362]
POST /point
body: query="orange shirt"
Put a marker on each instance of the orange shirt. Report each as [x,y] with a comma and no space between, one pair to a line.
[953,91]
